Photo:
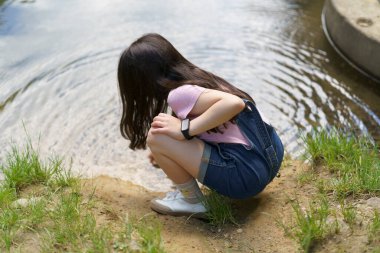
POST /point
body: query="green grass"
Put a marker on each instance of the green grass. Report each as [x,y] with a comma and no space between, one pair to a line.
[10,223]
[60,218]
[311,224]
[149,230]
[374,228]
[344,168]
[140,235]
[71,221]
[219,209]
[349,213]
[23,167]
[353,161]
[306,177]
[7,195]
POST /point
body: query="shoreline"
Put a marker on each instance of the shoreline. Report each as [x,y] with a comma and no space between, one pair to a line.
[329,204]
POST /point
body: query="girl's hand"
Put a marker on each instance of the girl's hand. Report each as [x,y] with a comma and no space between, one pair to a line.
[167,124]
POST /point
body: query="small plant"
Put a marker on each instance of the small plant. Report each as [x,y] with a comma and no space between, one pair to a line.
[149,230]
[374,228]
[9,224]
[100,239]
[7,195]
[143,235]
[59,176]
[349,213]
[219,209]
[306,177]
[35,211]
[311,224]
[23,168]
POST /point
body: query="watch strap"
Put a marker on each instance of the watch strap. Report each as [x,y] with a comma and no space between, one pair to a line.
[185,131]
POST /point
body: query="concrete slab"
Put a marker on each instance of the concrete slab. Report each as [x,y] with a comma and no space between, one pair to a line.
[353,28]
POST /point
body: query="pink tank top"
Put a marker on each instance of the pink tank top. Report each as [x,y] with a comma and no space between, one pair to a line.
[182,101]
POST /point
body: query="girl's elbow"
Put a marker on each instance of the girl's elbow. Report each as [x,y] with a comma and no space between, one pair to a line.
[239,104]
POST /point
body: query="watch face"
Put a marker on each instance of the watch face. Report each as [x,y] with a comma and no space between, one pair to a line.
[185,124]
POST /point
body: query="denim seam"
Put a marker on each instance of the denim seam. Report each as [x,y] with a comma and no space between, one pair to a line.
[262,134]
[205,160]
[246,137]
[222,165]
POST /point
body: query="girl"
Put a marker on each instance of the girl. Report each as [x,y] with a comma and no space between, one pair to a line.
[215,133]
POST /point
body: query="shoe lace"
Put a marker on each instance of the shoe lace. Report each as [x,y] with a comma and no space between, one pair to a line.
[172,195]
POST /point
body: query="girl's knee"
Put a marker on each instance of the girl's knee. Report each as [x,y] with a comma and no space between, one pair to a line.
[155,141]
[150,139]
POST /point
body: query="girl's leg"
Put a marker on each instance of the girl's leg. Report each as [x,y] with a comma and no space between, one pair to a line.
[180,160]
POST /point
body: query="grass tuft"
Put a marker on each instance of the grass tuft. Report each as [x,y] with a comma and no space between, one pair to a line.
[219,208]
[23,168]
[149,230]
[374,228]
[9,224]
[311,224]
[353,161]
[59,176]
[140,235]
[349,213]
[7,196]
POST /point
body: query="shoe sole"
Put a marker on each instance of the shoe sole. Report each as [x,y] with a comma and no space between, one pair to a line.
[167,211]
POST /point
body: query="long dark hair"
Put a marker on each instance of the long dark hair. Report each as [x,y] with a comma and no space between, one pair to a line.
[148,69]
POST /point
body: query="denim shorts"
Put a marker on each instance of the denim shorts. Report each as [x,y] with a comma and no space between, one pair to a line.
[240,171]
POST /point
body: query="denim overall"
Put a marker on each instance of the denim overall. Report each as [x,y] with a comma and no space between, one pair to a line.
[239,171]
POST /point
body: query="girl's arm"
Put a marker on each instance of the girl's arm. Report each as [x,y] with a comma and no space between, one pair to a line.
[213,107]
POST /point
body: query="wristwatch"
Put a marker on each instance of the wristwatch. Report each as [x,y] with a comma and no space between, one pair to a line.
[185,125]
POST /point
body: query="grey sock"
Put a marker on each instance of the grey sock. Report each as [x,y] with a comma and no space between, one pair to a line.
[190,191]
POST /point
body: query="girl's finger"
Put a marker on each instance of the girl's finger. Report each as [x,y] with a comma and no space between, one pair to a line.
[154,123]
[158,130]
[162,114]
[158,124]
[156,118]
[160,118]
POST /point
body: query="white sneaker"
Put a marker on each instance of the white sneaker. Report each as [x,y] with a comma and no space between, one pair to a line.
[175,204]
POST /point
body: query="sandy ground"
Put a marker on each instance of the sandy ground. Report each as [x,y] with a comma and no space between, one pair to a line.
[258,217]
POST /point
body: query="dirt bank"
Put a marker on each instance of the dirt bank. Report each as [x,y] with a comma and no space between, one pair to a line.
[258,216]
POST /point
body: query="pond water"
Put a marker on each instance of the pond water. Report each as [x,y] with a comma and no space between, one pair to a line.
[59,58]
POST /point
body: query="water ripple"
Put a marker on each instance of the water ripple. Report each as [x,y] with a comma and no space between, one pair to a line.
[58,72]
